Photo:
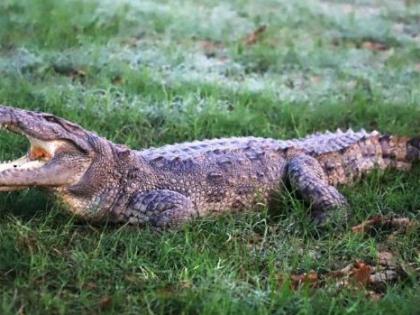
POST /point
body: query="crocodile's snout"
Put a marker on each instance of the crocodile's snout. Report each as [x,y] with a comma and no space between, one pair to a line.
[43,127]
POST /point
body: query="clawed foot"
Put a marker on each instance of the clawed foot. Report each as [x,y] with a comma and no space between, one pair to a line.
[335,218]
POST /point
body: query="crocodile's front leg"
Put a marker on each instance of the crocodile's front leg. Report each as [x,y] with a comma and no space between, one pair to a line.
[160,208]
[308,178]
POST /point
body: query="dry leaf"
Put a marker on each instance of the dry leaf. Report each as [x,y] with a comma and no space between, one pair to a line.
[117,80]
[382,222]
[185,284]
[316,79]
[70,71]
[386,259]
[374,46]
[342,272]
[382,277]
[352,275]
[387,271]
[166,292]
[310,278]
[211,48]
[366,225]
[374,296]
[105,302]
[361,272]
[255,36]
[255,238]
[78,74]
[357,276]
[90,286]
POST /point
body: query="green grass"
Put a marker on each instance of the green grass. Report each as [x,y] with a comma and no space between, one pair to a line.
[146,73]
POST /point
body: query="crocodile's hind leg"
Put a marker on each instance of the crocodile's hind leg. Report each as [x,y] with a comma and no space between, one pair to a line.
[307,177]
[160,208]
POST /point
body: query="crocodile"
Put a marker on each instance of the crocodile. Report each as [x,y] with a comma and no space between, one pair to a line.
[163,187]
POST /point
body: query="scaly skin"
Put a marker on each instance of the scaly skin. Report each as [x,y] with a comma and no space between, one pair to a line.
[167,186]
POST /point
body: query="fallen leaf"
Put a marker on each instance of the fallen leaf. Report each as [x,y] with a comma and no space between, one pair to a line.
[342,272]
[400,222]
[211,48]
[363,275]
[254,239]
[365,225]
[70,71]
[382,277]
[358,276]
[386,259]
[361,272]
[117,80]
[353,276]
[134,41]
[310,278]
[316,79]
[185,284]
[28,242]
[78,74]
[374,46]
[377,222]
[90,286]
[374,296]
[166,292]
[255,36]
[105,302]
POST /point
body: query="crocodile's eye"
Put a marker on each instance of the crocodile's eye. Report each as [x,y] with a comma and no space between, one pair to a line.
[51,118]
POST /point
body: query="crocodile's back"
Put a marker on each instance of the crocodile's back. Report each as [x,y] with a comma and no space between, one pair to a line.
[214,146]
[327,142]
[230,172]
[220,173]
[315,144]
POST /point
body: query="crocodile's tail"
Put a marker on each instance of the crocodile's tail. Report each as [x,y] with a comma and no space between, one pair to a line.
[413,149]
[400,152]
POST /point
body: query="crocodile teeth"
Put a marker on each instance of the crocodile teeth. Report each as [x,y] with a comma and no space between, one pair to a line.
[26,162]
[21,164]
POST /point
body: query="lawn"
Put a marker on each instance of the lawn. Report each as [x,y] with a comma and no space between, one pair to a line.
[147,73]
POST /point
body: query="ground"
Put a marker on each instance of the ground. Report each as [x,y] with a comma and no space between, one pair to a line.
[146,73]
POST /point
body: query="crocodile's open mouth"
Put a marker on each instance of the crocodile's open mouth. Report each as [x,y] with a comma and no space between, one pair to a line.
[59,153]
[39,154]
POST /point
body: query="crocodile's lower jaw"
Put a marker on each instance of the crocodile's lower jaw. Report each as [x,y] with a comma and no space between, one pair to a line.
[24,163]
